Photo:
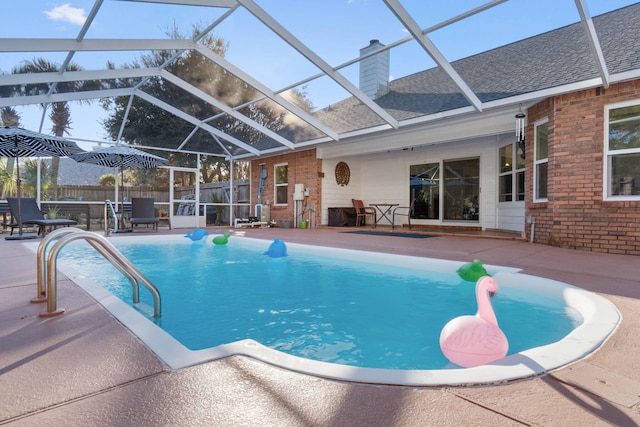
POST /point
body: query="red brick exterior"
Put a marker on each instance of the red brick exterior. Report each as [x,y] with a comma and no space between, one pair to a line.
[575,215]
[303,168]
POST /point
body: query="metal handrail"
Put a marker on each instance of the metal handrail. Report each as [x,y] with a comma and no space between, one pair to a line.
[109,205]
[41,261]
[109,252]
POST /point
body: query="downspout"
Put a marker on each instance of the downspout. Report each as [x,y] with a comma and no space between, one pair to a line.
[263,176]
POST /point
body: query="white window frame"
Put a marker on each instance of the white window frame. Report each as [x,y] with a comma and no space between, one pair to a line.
[609,154]
[276,185]
[537,162]
[513,173]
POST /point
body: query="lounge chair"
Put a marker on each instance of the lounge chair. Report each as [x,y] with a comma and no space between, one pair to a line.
[143,212]
[363,212]
[408,213]
[31,215]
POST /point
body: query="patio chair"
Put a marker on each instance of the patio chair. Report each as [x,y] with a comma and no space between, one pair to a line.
[31,215]
[143,212]
[362,212]
[408,213]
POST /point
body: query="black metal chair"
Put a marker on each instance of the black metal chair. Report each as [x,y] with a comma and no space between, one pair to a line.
[31,215]
[143,212]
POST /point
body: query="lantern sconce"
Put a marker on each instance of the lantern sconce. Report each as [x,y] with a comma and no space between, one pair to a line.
[520,132]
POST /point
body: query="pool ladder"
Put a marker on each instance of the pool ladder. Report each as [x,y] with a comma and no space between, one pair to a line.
[117,217]
[47,272]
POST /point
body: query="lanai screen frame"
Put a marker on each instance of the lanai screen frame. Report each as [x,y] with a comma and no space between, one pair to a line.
[230,147]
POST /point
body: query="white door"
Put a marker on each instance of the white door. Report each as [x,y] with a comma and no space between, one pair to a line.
[184,195]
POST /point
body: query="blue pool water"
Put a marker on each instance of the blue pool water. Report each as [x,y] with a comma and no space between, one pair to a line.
[312,306]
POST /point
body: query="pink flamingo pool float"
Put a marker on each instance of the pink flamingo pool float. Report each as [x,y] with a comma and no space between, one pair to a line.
[470,341]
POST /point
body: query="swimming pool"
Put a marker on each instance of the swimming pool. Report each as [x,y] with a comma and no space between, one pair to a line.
[517,365]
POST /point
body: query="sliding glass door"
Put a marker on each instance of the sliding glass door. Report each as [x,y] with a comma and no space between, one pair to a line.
[447,190]
[424,187]
[461,190]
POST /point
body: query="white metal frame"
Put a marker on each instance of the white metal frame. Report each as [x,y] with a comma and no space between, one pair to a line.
[184,221]
[83,44]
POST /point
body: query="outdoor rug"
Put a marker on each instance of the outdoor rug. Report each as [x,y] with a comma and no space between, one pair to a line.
[385,233]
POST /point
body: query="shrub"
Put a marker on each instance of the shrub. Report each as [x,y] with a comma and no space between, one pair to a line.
[107,180]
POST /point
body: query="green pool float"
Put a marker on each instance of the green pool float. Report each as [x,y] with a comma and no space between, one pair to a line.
[472,271]
[221,240]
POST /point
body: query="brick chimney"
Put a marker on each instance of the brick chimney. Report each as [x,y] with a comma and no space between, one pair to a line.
[374,71]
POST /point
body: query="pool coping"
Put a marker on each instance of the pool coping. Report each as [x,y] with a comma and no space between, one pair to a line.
[601,319]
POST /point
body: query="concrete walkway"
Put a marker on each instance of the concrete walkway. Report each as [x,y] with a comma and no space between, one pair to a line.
[84,368]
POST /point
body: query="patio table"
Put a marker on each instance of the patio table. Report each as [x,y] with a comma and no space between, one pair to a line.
[384,209]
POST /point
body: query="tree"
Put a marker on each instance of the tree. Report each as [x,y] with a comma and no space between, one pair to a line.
[10,117]
[7,181]
[150,125]
[29,177]
[60,114]
[108,180]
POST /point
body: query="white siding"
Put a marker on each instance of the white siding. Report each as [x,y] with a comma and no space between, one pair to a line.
[511,216]
[337,196]
[383,177]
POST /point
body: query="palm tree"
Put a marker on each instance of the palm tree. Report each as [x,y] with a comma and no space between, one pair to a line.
[9,117]
[29,176]
[60,114]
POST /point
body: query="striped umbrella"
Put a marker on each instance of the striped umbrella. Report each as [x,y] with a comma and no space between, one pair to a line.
[120,156]
[17,142]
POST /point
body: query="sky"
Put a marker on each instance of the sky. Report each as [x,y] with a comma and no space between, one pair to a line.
[334,29]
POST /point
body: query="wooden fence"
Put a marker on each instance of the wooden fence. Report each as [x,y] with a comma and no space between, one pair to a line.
[96,193]
[213,195]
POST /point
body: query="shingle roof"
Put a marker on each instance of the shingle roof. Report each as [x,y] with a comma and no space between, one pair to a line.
[556,58]
[72,172]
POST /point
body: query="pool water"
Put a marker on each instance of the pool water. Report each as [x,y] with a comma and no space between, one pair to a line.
[315,306]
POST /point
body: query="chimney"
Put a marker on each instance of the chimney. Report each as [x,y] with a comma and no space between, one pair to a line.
[374,71]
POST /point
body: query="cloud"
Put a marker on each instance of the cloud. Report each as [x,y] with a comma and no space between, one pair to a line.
[67,13]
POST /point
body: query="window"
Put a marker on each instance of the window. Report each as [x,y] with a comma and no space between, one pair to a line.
[281,184]
[511,175]
[622,150]
[541,161]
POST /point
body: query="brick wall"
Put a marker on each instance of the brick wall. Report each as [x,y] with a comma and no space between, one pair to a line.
[303,167]
[575,215]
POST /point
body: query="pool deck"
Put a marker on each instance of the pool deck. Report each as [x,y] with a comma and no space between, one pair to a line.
[83,368]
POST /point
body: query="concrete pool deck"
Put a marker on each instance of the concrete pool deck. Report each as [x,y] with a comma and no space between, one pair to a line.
[85,368]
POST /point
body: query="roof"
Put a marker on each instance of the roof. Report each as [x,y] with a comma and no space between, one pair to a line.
[592,52]
[522,71]
[76,173]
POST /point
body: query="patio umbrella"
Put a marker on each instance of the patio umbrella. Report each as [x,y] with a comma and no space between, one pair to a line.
[122,157]
[17,142]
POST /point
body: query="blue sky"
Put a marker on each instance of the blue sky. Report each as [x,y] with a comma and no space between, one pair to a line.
[334,29]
